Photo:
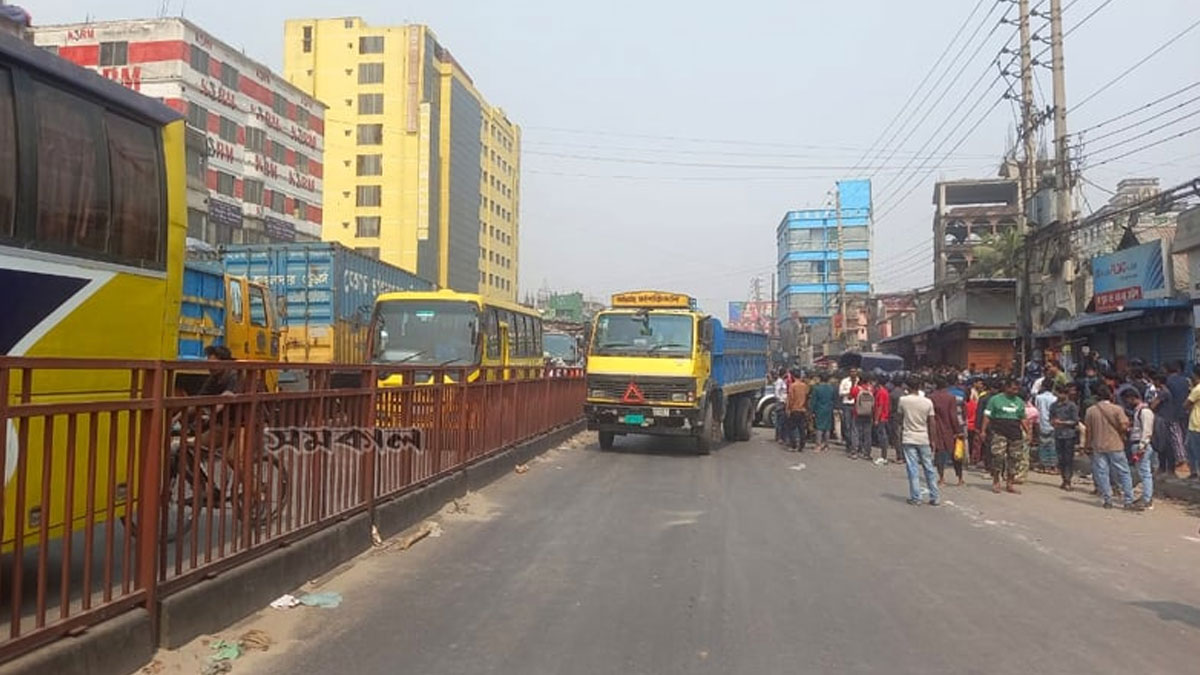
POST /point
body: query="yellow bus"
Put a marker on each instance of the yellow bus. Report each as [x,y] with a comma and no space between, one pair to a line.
[448,329]
[92,226]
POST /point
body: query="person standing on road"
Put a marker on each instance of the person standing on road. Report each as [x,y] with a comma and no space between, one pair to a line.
[822,400]
[797,406]
[781,388]
[1141,448]
[1107,426]
[985,439]
[863,413]
[1193,428]
[883,416]
[845,402]
[1064,417]
[947,430]
[1047,459]
[917,424]
[1177,420]
[1004,420]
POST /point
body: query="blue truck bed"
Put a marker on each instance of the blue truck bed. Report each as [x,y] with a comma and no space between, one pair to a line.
[739,359]
[202,310]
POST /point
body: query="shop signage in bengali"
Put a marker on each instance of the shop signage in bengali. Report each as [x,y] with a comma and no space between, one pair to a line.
[993,334]
[279,229]
[224,213]
[1131,274]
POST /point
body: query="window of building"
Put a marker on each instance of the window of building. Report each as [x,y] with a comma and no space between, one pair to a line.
[278,202]
[198,58]
[225,183]
[370,134]
[370,104]
[228,130]
[197,116]
[196,160]
[301,163]
[302,116]
[368,195]
[114,53]
[367,226]
[195,228]
[229,76]
[299,209]
[369,251]
[279,105]
[278,152]
[348,23]
[370,165]
[252,191]
[307,41]
[370,73]
[370,44]
[255,139]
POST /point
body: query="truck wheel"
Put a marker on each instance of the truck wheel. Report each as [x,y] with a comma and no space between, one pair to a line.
[745,419]
[704,442]
[730,424]
[606,440]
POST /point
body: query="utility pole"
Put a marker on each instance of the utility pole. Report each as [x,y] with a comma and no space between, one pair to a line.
[1062,163]
[1028,183]
[774,307]
[841,276]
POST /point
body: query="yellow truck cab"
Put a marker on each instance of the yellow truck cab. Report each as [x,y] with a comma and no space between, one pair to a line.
[658,366]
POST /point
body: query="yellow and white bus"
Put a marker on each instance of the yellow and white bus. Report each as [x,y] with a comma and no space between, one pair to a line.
[92,226]
[452,330]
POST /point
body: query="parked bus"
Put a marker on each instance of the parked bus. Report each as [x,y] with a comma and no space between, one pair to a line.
[447,329]
[92,226]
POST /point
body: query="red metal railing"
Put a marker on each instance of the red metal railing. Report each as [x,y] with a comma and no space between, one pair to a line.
[98,452]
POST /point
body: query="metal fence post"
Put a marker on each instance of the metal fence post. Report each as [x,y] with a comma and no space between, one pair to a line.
[150,492]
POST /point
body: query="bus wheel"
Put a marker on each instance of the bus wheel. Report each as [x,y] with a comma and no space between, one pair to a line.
[606,440]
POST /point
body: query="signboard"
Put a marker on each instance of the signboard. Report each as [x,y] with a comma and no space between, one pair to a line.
[656,299]
[280,230]
[736,309]
[1131,274]
[1187,231]
[224,213]
[992,334]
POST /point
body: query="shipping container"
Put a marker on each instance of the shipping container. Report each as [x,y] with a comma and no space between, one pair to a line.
[326,293]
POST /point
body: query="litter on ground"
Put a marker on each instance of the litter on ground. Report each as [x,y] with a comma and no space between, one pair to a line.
[286,601]
[327,599]
[522,468]
[799,467]
[879,461]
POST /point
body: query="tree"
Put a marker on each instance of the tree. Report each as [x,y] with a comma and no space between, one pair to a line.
[997,256]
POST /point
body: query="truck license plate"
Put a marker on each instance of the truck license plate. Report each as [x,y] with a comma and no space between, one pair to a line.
[662,412]
[635,419]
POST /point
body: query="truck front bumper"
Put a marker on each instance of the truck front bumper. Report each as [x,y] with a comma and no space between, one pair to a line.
[650,420]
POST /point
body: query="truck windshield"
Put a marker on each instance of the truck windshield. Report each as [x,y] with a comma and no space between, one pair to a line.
[426,333]
[650,334]
[559,346]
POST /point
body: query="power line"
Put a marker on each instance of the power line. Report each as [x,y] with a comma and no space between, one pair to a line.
[1155,116]
[1144,134]
[1139,64]
[1085,19]
[704,165]
[683,151]
[1146,147]
[723,178]
[1135,111]
[913,95]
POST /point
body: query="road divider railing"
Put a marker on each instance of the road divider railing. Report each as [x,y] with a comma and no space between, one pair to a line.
[97,453]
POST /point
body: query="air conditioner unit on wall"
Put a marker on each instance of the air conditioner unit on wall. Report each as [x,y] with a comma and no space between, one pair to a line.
[1068,271]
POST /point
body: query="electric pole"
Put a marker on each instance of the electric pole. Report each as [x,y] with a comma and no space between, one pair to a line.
[1028,183]
[1062,163]
[841,276]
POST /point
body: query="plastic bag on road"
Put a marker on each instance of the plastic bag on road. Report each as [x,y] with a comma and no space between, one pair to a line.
[327,599]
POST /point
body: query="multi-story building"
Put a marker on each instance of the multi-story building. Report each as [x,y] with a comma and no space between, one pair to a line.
[423,171]
[255,143]
[967,213]
[810,282]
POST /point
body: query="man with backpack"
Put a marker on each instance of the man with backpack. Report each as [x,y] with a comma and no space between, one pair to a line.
[862,412]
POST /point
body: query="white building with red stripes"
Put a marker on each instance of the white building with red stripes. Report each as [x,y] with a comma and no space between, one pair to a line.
[255,142]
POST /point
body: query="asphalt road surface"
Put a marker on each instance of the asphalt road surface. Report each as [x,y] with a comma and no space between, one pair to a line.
[650,560]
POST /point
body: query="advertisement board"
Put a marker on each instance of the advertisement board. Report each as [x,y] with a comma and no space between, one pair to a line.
[1131,274]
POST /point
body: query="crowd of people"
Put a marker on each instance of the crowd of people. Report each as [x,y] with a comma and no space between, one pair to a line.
[1136,425]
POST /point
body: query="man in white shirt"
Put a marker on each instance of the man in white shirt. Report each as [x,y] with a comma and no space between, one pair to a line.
[846,404]
[1047,451]
[781,388]
[916,425]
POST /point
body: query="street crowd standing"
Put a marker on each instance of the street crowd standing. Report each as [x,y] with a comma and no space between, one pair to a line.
[1136,425]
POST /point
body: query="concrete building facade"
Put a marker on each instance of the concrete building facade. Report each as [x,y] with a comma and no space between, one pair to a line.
[255,144]
[967,213]
[423,172]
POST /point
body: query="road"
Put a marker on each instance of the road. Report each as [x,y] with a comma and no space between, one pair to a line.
[649,560]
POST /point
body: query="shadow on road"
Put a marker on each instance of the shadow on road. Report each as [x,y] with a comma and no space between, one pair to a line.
[1172,611]
[657,446]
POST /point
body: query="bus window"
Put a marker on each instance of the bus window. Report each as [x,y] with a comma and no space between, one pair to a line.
[491,325]
[72,209]
[527,336]
[258,307]
[8,155]
[235,299]
[136,191]
[514,332]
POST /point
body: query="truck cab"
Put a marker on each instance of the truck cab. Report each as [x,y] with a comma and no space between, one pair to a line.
[657,366]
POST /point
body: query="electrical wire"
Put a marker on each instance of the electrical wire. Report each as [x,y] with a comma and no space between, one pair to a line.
[1144,134]
[1085,19]
[1146,147]
[1140,108]
[1127,71]
[1157,115]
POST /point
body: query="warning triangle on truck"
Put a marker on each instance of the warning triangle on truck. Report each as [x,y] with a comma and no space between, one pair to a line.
[633,394]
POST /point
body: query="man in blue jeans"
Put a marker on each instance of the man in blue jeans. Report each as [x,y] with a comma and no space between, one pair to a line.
[916,422]
[1140,449]
[1107,427]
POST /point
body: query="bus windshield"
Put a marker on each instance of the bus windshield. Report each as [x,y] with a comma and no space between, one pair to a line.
[426,333]
[560,346]
[623,334]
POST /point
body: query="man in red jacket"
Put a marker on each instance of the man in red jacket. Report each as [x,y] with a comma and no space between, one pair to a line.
[883,416]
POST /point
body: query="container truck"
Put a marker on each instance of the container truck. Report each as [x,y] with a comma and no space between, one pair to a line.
[326,294]
[657,366]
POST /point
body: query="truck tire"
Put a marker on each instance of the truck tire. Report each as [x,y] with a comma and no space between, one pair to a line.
[745,418]
[606,440]
[730,424]
[704,441]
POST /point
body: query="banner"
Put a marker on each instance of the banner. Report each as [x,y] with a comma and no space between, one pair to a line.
[1132,274]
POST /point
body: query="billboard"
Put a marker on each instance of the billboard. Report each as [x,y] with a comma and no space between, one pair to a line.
[755,316]
[1131,274]
[736,309]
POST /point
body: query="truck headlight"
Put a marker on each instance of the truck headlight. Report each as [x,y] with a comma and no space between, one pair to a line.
[680,397]
[596,393]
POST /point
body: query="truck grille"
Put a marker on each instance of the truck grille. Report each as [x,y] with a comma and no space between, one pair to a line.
[613,387]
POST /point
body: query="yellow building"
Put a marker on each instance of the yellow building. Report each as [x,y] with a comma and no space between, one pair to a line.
[419,168]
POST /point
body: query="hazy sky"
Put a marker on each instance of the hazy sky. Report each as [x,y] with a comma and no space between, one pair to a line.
[665,140]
